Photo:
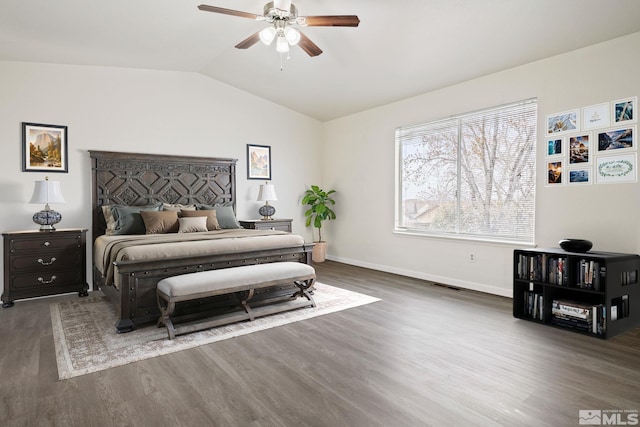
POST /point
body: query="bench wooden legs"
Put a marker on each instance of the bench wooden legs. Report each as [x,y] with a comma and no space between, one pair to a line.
[243,297]
[167,308]
[303,290]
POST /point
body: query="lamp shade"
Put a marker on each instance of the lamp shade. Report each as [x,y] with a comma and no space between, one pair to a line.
[47,192]
[267,35]
[267,192]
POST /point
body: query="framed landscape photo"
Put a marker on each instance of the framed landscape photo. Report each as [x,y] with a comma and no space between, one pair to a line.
[258,162]
[617,139]
[596,116]
[554,147]
[579,176]
[554,173]
[617,169]
[559,123]
[44,148]
[624,110]
[580,149]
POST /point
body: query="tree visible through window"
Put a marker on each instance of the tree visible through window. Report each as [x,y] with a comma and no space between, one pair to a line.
[470,176]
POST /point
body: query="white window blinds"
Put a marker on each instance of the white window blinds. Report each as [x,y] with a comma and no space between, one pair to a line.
[470,176]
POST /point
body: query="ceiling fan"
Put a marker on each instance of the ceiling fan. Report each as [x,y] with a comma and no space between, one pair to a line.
[283,15]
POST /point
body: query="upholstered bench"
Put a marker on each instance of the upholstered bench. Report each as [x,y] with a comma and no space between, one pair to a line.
[241,281]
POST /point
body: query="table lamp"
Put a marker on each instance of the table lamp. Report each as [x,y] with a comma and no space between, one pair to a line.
[267,192]
[47,192]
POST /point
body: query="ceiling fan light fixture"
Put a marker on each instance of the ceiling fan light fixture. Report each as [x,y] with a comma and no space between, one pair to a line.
[282,45]
[292,35]
[267,35]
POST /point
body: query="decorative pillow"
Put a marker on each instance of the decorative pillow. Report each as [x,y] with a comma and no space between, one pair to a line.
[122,219]
[193,224]
[225,215]
[212,220]
[177,207]
[160,222]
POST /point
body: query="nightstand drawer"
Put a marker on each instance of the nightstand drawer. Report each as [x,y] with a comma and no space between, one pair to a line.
[49,279]
[274,224]
[45,261]
[44,242]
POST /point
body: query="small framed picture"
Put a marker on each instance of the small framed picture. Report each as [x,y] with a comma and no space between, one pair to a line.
[580,149]
[624,110]
[567,121]
[596,116]
[555,147]
[554,173]
[579,176]
[617,169]
[258,162]
[617,139]
[44,148]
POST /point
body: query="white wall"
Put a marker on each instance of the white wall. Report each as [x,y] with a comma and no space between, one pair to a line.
[359,164]
[144,111]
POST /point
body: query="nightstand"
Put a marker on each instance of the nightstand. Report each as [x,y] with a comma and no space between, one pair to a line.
[38,263]
[273,224]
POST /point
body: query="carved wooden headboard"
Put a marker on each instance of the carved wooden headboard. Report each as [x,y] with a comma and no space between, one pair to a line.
[141,179]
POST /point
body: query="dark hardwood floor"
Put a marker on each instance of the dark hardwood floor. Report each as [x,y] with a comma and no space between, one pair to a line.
[425,355]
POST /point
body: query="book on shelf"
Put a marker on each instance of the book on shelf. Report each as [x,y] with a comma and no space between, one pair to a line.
[620,307]
[580,316]
[629,277]
[542,268]
[534,305]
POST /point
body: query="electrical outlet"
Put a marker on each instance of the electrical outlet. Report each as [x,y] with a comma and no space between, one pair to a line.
[472,257]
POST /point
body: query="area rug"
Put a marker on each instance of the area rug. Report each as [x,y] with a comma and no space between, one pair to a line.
[86,341]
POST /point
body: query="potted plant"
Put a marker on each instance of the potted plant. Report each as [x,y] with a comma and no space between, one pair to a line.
[318,201]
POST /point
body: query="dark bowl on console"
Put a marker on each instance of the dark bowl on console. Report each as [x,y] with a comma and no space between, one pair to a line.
[575,245]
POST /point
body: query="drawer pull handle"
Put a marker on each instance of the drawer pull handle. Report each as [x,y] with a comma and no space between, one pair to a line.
[46,282]
[41,261]
[47,244]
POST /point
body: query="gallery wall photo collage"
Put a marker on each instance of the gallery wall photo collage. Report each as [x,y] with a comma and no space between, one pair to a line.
[594,144]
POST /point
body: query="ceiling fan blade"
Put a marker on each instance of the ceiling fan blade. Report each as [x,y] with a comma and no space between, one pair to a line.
[232,12]
[308,46]
[331,21]
[249,41]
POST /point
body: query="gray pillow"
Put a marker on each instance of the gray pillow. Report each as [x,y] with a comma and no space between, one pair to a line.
[225,215]
[127,219]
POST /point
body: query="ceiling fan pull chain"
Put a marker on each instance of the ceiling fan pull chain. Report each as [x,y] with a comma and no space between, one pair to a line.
[281,66]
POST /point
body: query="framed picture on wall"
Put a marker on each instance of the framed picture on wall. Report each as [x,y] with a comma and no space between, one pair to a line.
[624,110]
[44,148]
[559,123]
[580,149]
[617,139]
[617,169]
[596,116]
[579,176]
[554,173]
[555,147]
[258,162]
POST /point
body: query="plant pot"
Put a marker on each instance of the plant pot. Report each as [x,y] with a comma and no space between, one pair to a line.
[319,253]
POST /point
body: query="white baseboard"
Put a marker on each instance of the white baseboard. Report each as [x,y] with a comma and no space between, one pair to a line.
[481,287]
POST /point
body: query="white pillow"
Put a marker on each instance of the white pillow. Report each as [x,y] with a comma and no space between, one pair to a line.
[192,224]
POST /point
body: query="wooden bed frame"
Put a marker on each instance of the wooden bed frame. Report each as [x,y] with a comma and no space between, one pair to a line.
[141,179]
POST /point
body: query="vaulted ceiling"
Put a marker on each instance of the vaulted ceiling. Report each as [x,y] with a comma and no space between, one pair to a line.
[401,49]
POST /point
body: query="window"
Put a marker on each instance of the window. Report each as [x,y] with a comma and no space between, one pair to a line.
[470,176]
